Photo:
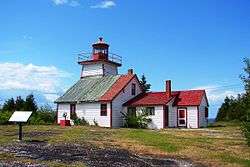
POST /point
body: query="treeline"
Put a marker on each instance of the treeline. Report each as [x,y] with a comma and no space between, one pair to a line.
[41,115]
[238,108]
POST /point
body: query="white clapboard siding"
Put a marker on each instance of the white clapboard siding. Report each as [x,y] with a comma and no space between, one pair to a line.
[124,96]
[92,69]
[172,115]
[202,119]
[91,112]
[99,69]
[157,119]
[110,69]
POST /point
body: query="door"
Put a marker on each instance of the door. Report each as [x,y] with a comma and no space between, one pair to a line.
[132,111]
[182,117]
[165,116]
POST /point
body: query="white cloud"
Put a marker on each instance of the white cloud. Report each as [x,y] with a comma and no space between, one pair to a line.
[105,4]
[72,3]
[44,79]
[217,93]
[60,2]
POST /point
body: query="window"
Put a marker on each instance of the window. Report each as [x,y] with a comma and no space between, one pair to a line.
[131,111]
[133,89]
[72,111]
[150,110]
[206,112]
[103,109]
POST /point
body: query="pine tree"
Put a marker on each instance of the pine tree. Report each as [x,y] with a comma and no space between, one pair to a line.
[9,105]
[30,103]
[20,103]
[144,84]
[246,78]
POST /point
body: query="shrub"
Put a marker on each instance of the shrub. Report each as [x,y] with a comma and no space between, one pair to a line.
[44,116]
[4,117]
[245,127]
[82,122]
[139,120]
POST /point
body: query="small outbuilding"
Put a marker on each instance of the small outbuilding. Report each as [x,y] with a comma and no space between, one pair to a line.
[169,109]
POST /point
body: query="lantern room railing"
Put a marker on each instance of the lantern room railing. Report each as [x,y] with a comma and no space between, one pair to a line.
[88,56]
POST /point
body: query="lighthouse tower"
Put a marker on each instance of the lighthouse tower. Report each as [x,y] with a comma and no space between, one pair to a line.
[100,62]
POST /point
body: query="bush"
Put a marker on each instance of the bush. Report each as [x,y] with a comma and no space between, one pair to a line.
[44,116]
[82,122]
[139,120]
[4,117]
[245,127]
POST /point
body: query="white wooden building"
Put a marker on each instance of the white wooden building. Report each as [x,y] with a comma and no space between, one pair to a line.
[101,95]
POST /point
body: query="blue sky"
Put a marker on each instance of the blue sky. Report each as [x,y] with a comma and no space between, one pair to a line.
[196,44]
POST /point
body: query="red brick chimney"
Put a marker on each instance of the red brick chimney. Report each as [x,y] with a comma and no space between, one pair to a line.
[130,71]
[168,88]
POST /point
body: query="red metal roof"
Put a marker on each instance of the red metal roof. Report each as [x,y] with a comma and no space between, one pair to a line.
[150,98]
[188,97]
[117,87]
[182,98]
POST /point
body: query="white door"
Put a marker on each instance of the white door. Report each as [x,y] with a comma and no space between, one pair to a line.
[182,117]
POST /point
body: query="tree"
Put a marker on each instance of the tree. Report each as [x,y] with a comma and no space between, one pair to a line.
[246,78]
[238,108]
[20,103]
[30,103]
[144,84]
[9,105]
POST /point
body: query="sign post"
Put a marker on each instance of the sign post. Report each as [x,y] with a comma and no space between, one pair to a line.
[20,117]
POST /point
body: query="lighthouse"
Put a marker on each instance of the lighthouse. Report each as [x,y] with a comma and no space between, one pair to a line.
[100,62]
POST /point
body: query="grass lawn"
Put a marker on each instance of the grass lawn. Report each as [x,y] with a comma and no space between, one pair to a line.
[221,145]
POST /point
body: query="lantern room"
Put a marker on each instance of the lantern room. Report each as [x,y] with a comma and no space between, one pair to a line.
[100,50]
[100,61]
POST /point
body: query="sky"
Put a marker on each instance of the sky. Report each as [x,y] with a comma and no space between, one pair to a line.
[196,44]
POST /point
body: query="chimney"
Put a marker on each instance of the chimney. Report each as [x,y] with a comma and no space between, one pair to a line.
[130,71]
[168,88]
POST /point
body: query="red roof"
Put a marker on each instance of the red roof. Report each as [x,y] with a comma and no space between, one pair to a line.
[182,98]
[188,97]
[150,98]
[117,87]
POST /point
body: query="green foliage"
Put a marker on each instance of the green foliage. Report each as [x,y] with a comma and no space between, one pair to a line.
[4,117]
[145,86]
[44,116]
[237,108]
[246,131]
[30,103]
[9,105]
[82,122]
[246,78]
[20,105]
[138,120]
